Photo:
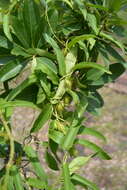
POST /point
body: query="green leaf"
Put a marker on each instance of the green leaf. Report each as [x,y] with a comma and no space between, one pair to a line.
[43,117]
[17,180]
[51,161]
[77,163]
[74,96]
[71,59]
[101,153]
[113,5]
[48,67]
[77,39]
[95,102]
[4,42]
[41,52]
[20,31]
[59,54]
[45,85]
[92,22]
[32,19]
[6,26]
[56,136]
[16,91]
[114,53]
[79,180]
[68,141]
[90,131]
[11,69]
[37,166]
[19,51]
[66,176]
[17,103]
[36,183]
[117,69]
[94,74]
[110,38]
[84,65]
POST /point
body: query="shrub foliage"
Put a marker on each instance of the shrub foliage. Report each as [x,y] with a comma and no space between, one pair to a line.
[71,49]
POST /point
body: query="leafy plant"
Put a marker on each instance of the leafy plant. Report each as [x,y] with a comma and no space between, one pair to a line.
[59,42]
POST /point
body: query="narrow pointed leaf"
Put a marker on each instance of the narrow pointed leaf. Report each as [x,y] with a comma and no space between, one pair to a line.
[90,131]
[59,55]
[10,70]
[101,153]
[79,180]
[43,117]
[37,166]
[84,65]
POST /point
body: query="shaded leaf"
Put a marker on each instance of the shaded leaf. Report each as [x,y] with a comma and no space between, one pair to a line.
[43,117]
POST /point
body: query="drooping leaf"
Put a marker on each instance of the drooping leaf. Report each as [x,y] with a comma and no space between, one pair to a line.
[43,117]
[91,131]
[37,166]
[101,153]
[79,180]
[84,65]
[77,39]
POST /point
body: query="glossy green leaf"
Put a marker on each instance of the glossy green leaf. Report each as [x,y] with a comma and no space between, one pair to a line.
[101,153]
[77,163]
[51,161]
[11,69]
[79,180]
[43,117]
[85,65]
[37,166]
[59,55]
[16,91]
[48,67]
[76,39]
[36,183]
[90,131]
